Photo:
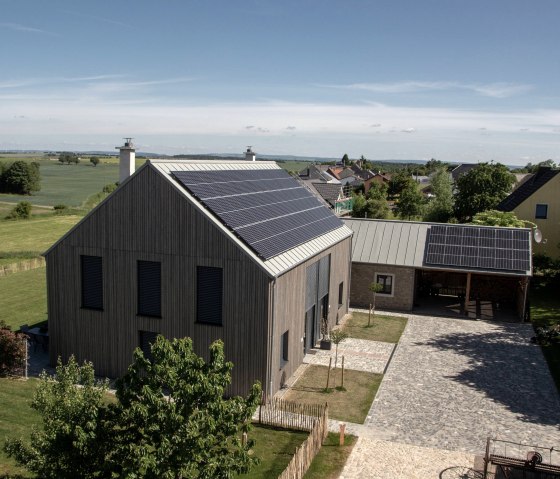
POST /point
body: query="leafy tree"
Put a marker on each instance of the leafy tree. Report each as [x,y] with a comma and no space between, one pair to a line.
[110,187]
[481,189]
[501,218]
[21,178]
[67,157]
[337,336]
[411,202]
[434,165]
[73,441]
[21,211]
[440,208]
[399,182]
[376,205]
[345,160]
[12,350]
[359,206]
[172,419]
[94,160]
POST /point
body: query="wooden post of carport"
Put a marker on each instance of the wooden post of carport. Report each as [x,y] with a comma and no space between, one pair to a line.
[525,293]
[467,293]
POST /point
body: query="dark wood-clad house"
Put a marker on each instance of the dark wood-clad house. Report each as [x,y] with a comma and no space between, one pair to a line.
[237,251]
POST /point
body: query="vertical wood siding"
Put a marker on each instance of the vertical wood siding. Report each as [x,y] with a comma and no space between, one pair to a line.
[147,219]
[289,309]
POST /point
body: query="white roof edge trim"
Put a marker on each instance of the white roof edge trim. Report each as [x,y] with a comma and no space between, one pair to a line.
[320,243]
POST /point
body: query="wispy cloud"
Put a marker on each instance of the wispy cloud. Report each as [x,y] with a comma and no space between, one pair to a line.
[18,27]
[55,80]
[494,90]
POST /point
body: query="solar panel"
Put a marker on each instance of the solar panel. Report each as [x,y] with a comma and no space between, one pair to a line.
[268,209]
[506,249]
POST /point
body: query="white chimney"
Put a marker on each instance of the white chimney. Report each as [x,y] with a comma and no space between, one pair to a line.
[127,162]
[250,155]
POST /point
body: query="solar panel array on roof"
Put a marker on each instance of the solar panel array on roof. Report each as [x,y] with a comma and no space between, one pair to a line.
[505,249]
[268,209]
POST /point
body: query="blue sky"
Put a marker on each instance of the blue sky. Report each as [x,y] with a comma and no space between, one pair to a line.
[458,81]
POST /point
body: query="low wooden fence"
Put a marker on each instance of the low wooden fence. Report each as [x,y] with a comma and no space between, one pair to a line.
[307,417]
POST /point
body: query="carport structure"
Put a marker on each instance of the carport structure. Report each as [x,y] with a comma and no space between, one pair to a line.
[442,269]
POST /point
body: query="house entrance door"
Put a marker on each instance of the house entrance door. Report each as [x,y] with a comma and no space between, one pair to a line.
[309,338]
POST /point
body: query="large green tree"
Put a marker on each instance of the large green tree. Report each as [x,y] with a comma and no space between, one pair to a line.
[501,218]
[481,189]
[21,178]
[440,207]
[359,206]
[72,442]
[376,204]
[399,181]
[172,419]
[411,202]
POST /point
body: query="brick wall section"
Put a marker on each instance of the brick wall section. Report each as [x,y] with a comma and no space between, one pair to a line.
[403,286]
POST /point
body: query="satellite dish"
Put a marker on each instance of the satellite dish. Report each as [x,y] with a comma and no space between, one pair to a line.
[537,235]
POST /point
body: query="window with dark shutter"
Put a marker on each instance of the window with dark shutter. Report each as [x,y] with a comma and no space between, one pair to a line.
[92,282]
[541,212]
[149,288]
[146,339]
[209,290]
[285,347]
[340,293]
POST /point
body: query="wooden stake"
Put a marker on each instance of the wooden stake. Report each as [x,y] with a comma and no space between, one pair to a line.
[342,372]
[342,428]
[329,373]
[244,439]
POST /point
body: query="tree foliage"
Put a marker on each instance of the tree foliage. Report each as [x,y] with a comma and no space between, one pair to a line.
[94,160]
[73,441]
[13,350]
[440,207]
[68,158]
[21,211]
[533,168]
[170,420]
[20,177]
[399,182]
[481,189]
[500,218]
[411,202]
[359,206]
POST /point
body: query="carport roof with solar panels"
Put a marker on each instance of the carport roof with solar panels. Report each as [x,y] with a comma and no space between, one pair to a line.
[266,211]
[480,249]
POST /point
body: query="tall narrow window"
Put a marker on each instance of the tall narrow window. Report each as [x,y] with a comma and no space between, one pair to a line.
[149,288]
[285,347]
[541,212]
[92,282]
[146,339]
[340,293]
[209,292]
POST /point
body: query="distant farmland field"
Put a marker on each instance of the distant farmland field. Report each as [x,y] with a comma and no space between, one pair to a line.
[66,184]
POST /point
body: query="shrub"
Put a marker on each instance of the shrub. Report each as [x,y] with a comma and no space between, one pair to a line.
[21,178]
[21,211]
[60,208]
[12,350]
[109,188]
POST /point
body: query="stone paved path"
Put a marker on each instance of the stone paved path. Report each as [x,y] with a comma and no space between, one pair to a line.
[359,354]
[452,382]
[373,458]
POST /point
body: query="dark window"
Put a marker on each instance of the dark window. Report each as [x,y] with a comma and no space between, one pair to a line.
[340,293]
[285,344]
[149,288]
[147,338]
[385,280]
[541,212]
[92,282]
[209,287]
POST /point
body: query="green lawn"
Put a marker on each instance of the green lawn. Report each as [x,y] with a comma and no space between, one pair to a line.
[350,405]
[22,239]
[23,298]
[16,418]
[328,464]
[545,311]
[275,448]
[383,328]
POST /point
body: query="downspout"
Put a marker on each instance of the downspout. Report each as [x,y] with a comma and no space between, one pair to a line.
[349,275]
[271,340]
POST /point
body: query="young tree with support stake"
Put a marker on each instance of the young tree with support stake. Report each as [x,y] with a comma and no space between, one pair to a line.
[374,288]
